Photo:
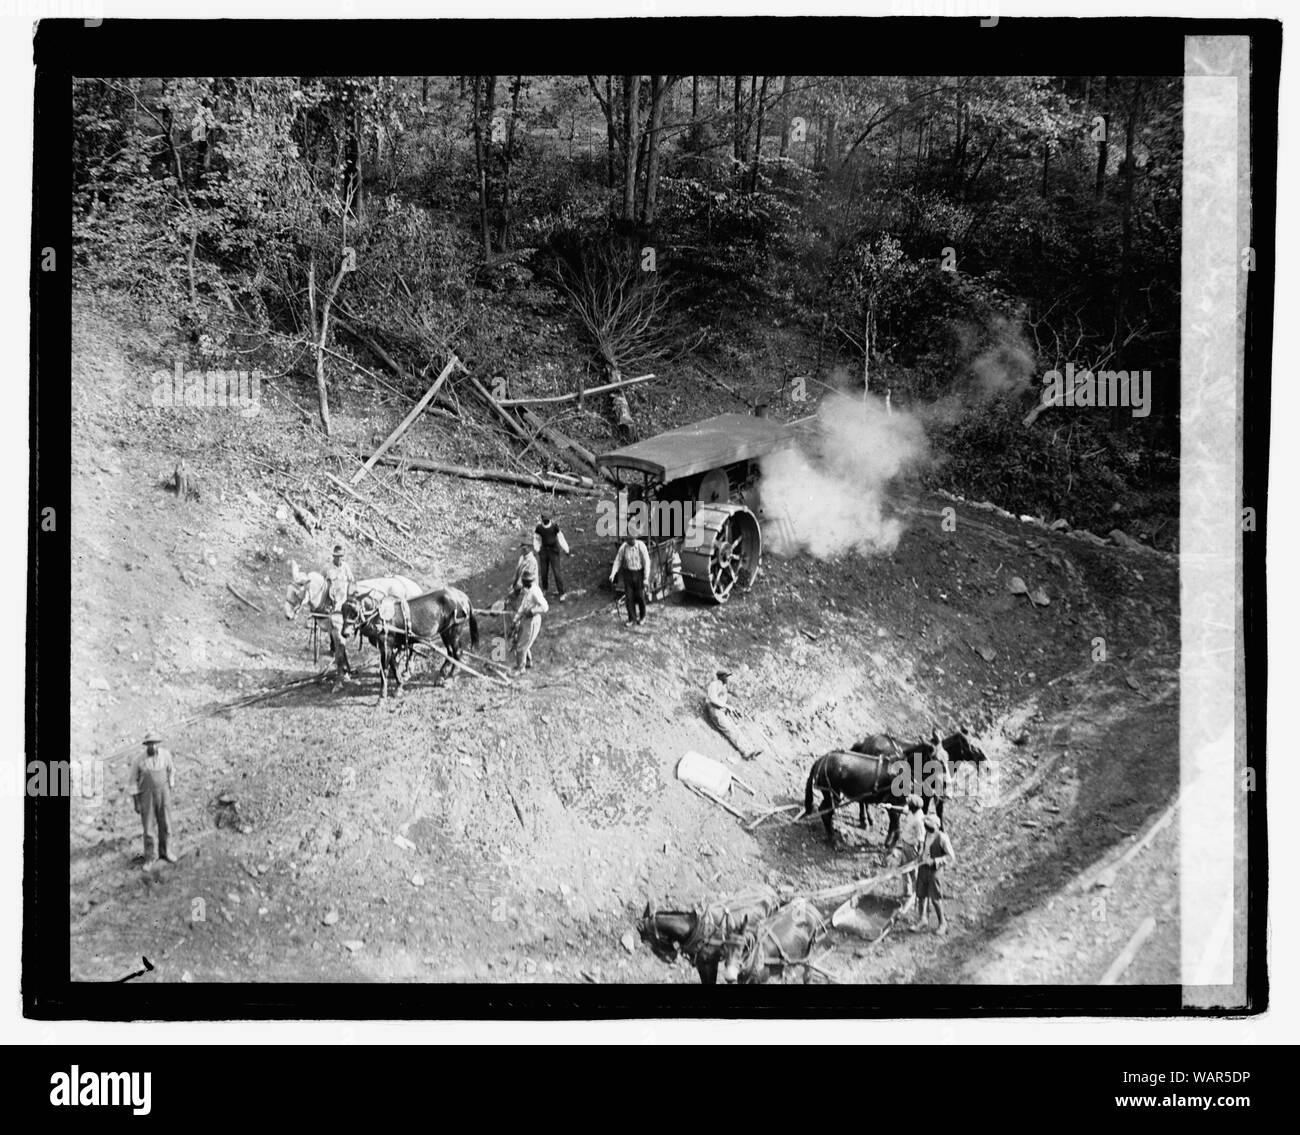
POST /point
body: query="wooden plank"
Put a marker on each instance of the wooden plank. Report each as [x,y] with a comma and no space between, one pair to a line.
[847,890]
[406,422]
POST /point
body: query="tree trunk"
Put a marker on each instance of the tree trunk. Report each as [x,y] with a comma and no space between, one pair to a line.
[610,133]
[509,157]
[659,87]
[1126,240]
[695,98]
[322,390]
[758,137]
[785,116]
[352,187]
[1103,145]
[480,163]
[737,125]
[631,142]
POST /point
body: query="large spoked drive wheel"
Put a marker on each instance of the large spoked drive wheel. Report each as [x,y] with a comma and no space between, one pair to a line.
[721,552]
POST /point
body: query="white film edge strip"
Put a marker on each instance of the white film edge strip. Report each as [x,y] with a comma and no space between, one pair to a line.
[1210,523]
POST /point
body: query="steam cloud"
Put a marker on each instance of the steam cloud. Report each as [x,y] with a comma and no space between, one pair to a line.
[834,502]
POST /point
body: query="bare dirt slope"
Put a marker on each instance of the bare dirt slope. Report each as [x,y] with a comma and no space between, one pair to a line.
[476,832]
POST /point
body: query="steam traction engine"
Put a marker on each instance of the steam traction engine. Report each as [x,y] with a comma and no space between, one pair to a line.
[691,495]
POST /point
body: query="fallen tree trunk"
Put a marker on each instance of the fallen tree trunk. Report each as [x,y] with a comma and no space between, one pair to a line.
[575,397]
[402,528]
[406,422]
[579,457]
[528,480]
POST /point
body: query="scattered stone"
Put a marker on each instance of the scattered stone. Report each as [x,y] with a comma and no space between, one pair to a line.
[629,942]
[417,880]
[331,917]
[354,944]
[404,843]
[98,683]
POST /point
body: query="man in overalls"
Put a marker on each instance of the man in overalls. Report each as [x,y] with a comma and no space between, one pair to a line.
[153,776]
[339,582]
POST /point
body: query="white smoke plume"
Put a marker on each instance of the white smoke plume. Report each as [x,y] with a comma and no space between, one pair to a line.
[827,497]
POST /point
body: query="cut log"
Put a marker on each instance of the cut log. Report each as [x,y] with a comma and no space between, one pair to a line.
[406,422]
[526,479]
[580,394]
[580,459]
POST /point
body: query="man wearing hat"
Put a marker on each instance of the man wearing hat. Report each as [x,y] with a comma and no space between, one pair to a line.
[907,849]
[153,776]
[937,855]
[525,568]
[527,624]
[549,544]
[632,561]
[725,718]
[339,582]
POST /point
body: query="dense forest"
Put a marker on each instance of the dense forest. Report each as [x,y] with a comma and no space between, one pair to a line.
[943,240]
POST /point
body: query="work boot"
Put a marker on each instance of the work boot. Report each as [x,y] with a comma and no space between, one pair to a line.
[170,856]
[942,928]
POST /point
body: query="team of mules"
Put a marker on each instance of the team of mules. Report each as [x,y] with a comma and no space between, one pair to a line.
[745,939]
[396,626]
[392,612]
[881,770]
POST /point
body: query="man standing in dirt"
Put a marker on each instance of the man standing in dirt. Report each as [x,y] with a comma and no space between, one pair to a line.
[632,559]
[938,854]
[907,850]
[153,776]
[527,624]
[550,544]
[724,717]
[339,582]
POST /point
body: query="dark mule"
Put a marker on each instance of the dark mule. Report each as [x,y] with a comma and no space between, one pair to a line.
[934,781]
[856,777]
[438,615]
[668,933]
[699,935]
[751,955]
